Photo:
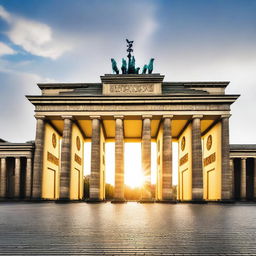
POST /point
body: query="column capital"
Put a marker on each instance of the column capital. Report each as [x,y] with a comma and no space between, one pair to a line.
[95,117]
[197,116]
[119,117]
[67,117]
[167,116]
[39,117]
[225,116]
[146,117]
[243,158]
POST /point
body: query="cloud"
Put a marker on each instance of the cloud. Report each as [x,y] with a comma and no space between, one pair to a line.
[5,49]
[4,14]
[34,37]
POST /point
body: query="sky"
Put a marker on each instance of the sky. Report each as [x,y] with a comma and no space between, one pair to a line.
[73,41]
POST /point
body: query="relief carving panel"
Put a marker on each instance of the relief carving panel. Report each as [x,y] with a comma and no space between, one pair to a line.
[131,89]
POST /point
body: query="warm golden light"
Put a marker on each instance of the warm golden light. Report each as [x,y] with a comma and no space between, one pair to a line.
[133,176]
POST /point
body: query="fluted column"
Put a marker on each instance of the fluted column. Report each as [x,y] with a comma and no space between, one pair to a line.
[146,156]
[167,192]
[17,178]
[28,178]
[38,158]
[65,168]
[226,173]
[119,159]
[197,167]
[254,180]
[243,179]
[3,178]
[95,160]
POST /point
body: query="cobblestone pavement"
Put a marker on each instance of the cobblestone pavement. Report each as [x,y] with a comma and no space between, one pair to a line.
[126,229]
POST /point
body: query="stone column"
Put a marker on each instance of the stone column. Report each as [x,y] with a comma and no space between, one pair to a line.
[197,166]
[226,173]
[243,179]
[146,156]
[167,192]
[28,178]
[17,178]
[65,168]
[254,180]
[38,158]
[3,178]
[95,160]
[119,159]
[231,164]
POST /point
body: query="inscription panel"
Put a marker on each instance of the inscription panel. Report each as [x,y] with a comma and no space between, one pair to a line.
[210,159]
[132,89]
[78,159]
[52,158]
[183,159]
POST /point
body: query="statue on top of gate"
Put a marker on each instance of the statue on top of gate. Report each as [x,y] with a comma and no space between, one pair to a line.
[131,67]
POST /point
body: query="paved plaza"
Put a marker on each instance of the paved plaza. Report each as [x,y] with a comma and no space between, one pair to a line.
[126,229]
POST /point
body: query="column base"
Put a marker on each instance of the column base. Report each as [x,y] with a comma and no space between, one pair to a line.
[94,201]
[65,201]
[146,201]
[166,201]
[227,201]
[198,201]
[118,201]
[36,200]
[4,199]
[62,201]
[39,200]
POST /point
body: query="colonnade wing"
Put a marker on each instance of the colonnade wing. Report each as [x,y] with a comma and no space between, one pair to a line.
[16,170]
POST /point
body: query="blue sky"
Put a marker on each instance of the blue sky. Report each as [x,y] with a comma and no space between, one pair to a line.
[73,41]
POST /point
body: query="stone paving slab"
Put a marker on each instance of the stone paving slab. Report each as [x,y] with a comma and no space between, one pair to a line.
[127,229]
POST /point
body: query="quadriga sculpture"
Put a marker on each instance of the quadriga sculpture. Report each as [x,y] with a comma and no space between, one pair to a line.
[131,68]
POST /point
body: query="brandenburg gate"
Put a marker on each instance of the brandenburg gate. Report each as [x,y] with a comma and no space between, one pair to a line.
[133,108]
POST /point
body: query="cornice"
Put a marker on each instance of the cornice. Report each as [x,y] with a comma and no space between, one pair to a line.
[113,100]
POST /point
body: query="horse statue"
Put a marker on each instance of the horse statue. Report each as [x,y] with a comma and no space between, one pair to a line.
[114,66]
[124,66]
[150,66]
[144,70]
[131,66]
